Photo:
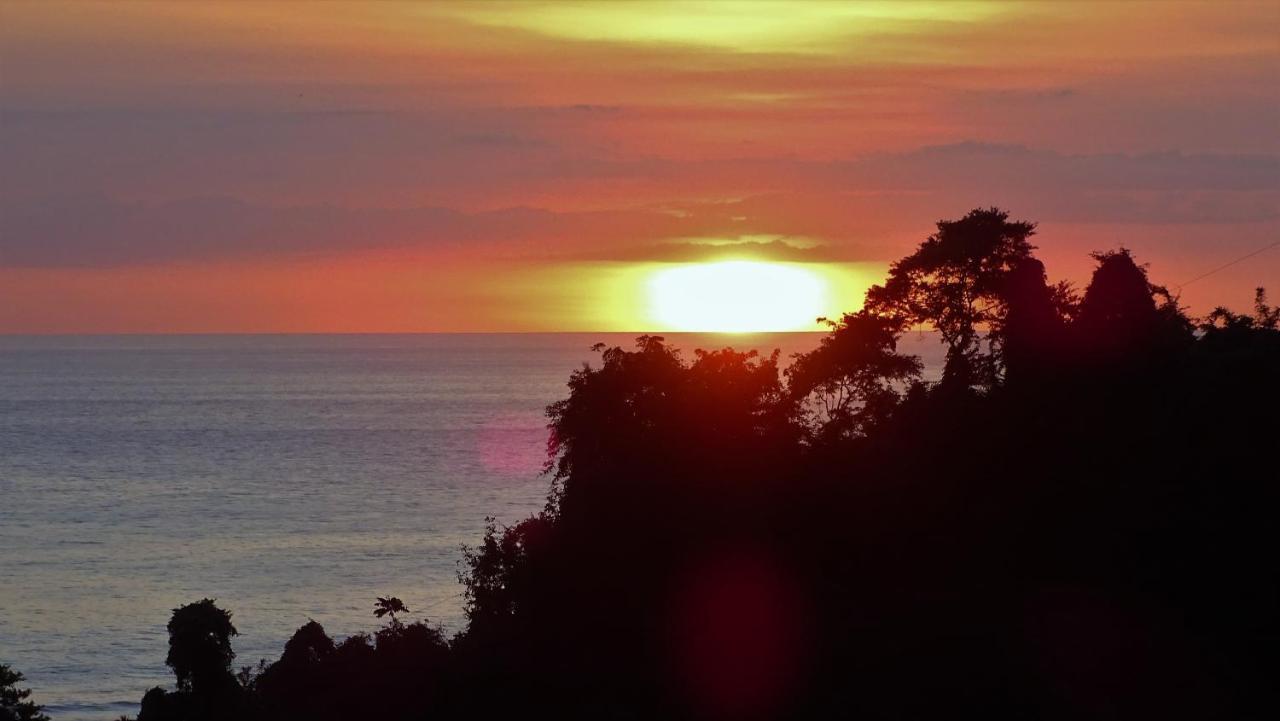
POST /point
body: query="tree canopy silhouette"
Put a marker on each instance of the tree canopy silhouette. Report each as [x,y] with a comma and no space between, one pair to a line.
[389,606]
[855,377]
[1076,522]
[200,646]
[953,283]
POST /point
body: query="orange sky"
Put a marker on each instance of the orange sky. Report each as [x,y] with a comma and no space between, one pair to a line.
[253,166]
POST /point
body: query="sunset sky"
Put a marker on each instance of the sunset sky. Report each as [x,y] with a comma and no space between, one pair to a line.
[251,166]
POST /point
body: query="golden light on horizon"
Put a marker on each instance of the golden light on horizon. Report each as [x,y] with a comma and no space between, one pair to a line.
[737,296]
[753,26]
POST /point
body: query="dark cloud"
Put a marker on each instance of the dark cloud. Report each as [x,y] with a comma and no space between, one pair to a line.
[315,155]
[501,140]
[89,231]
[989,164]
[487,156]
[853,208]
[689,252]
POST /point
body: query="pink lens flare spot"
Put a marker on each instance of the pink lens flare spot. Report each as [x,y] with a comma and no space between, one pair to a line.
[513,444]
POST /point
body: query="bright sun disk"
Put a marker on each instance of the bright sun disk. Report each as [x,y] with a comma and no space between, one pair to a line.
[736,296]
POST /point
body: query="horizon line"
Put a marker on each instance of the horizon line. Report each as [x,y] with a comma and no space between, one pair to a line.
[423,332]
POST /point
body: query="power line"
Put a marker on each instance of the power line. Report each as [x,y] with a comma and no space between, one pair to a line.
[1224,266]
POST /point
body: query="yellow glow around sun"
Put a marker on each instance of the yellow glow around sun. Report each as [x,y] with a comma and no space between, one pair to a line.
[737,296]
[793,26]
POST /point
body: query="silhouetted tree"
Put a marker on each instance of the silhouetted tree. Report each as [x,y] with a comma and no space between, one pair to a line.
[1265,317]
[389,606]
[200,655]
[308,645]
[1119,316]
[855,376]
[497,569]
[200,646]
[1241,339]
[14,702]
[394,674]
[1034,326]
[1118,300]
[637,415]
[953,282]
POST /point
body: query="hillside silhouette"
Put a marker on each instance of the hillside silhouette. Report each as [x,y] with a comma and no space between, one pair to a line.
[1076,521]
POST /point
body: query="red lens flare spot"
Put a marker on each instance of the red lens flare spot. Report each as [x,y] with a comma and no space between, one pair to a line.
[738,634]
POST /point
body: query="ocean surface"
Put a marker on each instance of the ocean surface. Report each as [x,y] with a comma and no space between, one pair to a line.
[288,477]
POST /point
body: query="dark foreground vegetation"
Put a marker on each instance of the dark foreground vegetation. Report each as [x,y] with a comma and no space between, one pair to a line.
[15,702]
[1077,521]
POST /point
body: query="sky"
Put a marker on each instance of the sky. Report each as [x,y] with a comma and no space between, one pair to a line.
[402,167]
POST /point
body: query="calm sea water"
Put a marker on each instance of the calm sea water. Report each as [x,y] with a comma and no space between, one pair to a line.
[289,477]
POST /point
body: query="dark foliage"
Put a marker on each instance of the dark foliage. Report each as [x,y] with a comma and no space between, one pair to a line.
[15,703]
[1120,319]
[200,646]
[1075,523]
[954,283]
[389,606]
[853,379]
[200,655]
[395,673]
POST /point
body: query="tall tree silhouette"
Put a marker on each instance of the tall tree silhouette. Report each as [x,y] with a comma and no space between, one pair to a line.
[1119,315]
[1033,332]
[200,646]
[953,282]
[200,655]
[389,606]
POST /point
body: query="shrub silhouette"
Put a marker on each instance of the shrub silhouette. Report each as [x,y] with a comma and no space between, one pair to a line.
[14,702]
[395,673]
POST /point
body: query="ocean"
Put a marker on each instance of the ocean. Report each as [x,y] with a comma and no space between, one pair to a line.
[290,477]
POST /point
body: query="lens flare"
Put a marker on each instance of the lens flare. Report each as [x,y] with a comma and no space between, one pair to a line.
[737,296]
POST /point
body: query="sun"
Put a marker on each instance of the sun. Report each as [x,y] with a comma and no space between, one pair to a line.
[736,296]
